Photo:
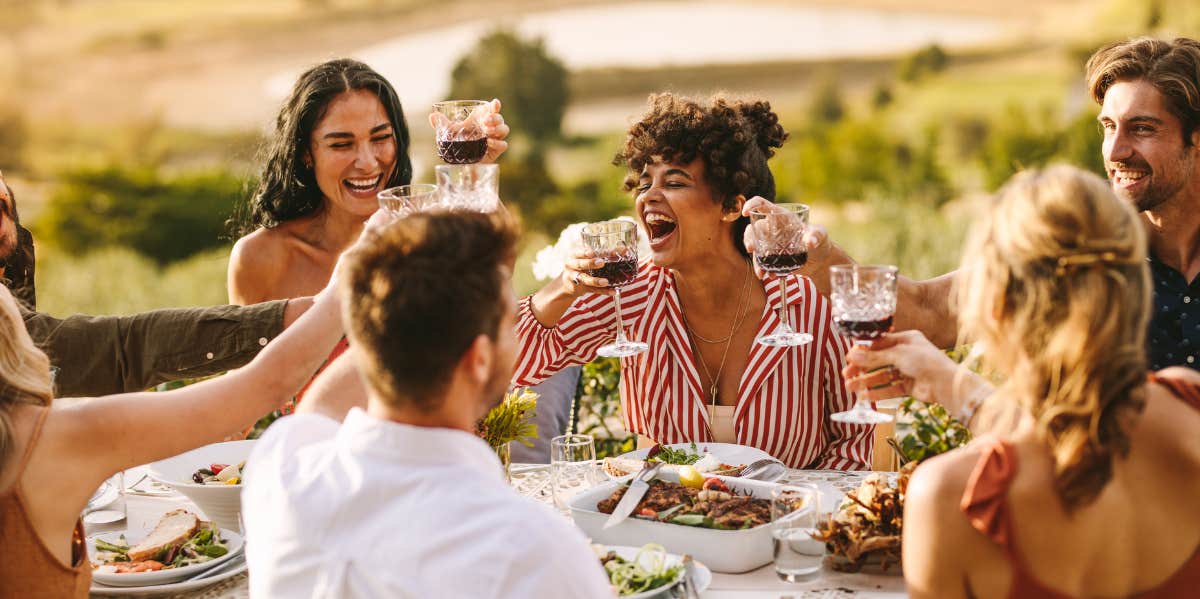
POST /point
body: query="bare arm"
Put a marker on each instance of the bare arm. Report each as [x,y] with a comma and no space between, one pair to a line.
[255,265]
[937,542]
[336,390]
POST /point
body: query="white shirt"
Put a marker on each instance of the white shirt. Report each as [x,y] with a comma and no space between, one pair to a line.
[381,509]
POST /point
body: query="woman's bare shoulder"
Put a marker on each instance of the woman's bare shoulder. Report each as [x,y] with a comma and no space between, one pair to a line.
[256,264]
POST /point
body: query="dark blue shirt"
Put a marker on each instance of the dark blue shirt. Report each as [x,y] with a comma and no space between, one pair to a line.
[1174,335]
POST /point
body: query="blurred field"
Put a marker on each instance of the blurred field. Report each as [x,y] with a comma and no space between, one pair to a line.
[205,52]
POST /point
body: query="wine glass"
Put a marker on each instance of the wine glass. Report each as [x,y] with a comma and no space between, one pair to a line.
[572,467]
[458,127]
[407,199]
[864,306]
[779,249]
[473,187]
[615,242]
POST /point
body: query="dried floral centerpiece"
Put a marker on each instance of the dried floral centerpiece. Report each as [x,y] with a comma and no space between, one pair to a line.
[511,420]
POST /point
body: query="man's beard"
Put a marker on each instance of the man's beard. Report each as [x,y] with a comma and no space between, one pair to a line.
[1158,191]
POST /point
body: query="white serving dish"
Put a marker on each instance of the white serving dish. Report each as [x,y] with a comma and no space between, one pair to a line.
[729,551]
[233,542]
[173,588]
[220,503]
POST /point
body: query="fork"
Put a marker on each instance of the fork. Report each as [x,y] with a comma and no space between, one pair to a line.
[756,466]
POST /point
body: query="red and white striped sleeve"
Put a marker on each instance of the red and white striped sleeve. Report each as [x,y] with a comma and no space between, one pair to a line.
[583,328]
[849,446]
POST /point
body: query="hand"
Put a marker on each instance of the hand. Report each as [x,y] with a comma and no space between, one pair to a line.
[815,239]
[494,128]
[577,278]
[903,363]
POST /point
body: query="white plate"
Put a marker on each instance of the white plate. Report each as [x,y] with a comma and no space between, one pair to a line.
[167,589]
[728,453]
[141,579]
[703,576]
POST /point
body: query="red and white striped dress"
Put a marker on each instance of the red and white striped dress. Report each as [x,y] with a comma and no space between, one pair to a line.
[785,395]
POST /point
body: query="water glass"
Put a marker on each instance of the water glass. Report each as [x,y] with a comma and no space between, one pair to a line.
[458,128]
[572,467]
[408,199]
[107,505]
[795,510]
[469,186]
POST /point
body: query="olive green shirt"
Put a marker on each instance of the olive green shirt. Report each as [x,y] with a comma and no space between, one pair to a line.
[100,355]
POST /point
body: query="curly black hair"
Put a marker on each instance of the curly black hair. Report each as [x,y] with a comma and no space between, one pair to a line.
[288,189]
[735,139]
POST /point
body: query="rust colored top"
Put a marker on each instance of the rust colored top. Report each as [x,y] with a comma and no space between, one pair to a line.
[29,569]
[986,506]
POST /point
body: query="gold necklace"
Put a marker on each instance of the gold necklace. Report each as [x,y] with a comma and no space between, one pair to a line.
[738,319]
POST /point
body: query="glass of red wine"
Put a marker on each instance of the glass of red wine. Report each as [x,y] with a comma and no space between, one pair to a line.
[615,242]
[864,306]
[458,128]
[779,249]
[406,199]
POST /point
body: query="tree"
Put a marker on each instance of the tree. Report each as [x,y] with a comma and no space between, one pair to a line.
[827,105]
[530,82]
[882,96]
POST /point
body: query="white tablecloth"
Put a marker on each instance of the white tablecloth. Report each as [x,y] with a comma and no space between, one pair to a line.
[532,481]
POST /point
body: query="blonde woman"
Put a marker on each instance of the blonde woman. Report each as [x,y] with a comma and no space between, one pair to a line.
[1088,484]
[52,456]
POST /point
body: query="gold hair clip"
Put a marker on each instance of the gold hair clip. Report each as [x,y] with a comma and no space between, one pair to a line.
[1086,259]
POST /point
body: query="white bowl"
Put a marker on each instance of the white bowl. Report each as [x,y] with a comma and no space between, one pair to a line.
[138,579]
[730,551]
[220,503]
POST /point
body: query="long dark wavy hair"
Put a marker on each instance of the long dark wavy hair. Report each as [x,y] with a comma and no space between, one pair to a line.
[287,189]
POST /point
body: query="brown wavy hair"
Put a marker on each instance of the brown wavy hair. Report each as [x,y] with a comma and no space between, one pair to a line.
[24,370]
[410,321]
[735,138]
[1172,67]
[1054,283]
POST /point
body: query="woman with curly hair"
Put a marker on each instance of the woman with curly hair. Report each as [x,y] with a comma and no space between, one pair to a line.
[1085,485]
[698,303]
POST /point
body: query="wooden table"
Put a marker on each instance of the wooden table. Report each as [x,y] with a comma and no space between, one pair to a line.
[533,481]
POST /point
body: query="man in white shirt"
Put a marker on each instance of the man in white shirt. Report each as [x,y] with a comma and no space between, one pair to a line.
[402,499]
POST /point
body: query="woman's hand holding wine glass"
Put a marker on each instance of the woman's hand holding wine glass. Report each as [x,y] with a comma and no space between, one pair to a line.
[580,274]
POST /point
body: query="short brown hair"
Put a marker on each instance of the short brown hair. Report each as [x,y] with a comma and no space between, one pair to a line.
[419,293]
[734,138]
[1173,68]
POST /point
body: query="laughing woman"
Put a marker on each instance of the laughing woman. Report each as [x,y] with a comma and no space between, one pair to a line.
[698,303]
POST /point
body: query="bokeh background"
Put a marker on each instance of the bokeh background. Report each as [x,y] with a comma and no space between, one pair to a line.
[130,129]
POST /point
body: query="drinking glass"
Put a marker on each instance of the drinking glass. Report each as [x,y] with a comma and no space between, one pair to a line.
[864,306]
[407,199]
[469,186]
[458,128]
[572,467]
[616,242]
[795,510]
[779,249]
[107,505]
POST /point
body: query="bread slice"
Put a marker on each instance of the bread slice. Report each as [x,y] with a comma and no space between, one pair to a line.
[174,528]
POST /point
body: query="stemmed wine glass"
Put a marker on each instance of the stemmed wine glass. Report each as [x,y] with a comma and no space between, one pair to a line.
[864,306]
[615,242]
[779,249]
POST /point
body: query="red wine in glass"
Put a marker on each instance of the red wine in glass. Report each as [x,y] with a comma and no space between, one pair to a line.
[618,271]
[782,264]
[462,152]
[863,330]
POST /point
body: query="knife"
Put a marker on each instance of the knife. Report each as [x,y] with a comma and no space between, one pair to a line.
[637,489]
